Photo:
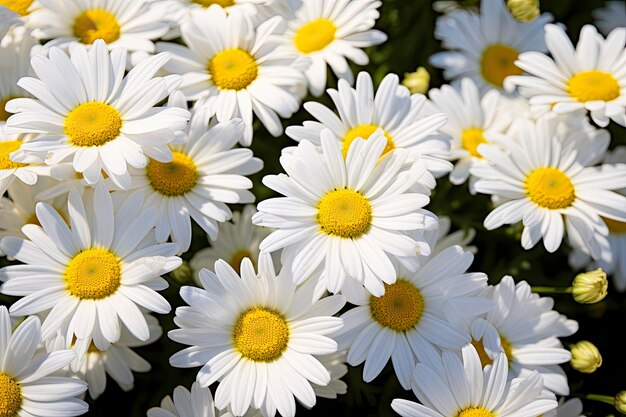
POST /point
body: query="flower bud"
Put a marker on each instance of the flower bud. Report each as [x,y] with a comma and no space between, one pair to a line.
[183,273]
[418,81]
[586,357]
[590,287]
[524,10]
[620,402]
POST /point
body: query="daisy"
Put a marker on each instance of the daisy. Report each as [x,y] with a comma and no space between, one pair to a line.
[409,322]
[485,45]
[392,110]
[442,238]
[549,186]
[102,123]
[87,278]
[524,326]
[8,18]
[588,78]
[26,171]
[21,7]
[570,408]
[455,388]
[237,69]
[257,333]
[349,217]
[238,239]
[331,32]
[130,25]
[15,51]
[26,387]
[611,16]
[336,365]
[205,174]
[197,403]
[472,118]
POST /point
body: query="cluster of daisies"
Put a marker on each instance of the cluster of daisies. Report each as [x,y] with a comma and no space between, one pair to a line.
[125,122]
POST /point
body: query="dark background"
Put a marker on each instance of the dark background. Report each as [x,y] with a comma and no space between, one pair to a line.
[410,26]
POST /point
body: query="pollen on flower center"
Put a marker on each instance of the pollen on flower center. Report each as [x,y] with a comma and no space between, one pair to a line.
[208,3]
[18,6]
[173,178]
[400,308]
[482,353]
[475,412]
[550,188]
[345,213]
[93,274]
[6,148]
[96,24]
[314,36]
[364,132]
[498,62]
[471,138]
[233,69]
[10,396]
[93,124]
[235,260]
[261,334]
[615,227]
[593,85]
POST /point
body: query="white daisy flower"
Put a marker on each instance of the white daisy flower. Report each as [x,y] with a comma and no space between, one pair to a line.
[20,7]
[15,51]
[336,365]
[87,278]
[348,217]
[8,17]
[26,387]
[548,185]
[485,45]
[257,333]
[206,173]
[570,408]
[331,32]
[238,239]
[455,388]
[611,16]
[392,111]
[589,78]
[130,25]
[197,403]
[30,167]
[410,321]
[524,326]
[442,238]
[87,111]
[237,69]
[472,118]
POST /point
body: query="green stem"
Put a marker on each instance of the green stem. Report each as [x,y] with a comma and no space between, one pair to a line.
[597,397]
[553,290]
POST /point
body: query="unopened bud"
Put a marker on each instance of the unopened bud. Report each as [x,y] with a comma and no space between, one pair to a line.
[590,287]
[620,402]
[524,10]
[418,81]
[586,357]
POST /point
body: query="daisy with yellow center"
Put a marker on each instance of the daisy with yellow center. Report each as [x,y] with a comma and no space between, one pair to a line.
[586,78]
[27,172]
[345,219]
[205,174]
[484,45]
[472,118]
[454,386]
[96,273]
[259,330]
[101,126]
[330,33]
[233,76]
[544,182]
[409,323]
[26,387]
[391,112]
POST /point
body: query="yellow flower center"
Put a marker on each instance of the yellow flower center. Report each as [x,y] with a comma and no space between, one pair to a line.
[550,188]
[498,62]
[4,114]
[314,36]
[261,334]
[345,213]
[10,396]
[173,178]
[93,124]
[364,132]
[18,6]
[471,138]
[96,24]
[93,274]
[475,412]
[235,260]
[615,227]
[593,85]
[482,353]
[208,3]
[400,308]
[6,148]
[233,69]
